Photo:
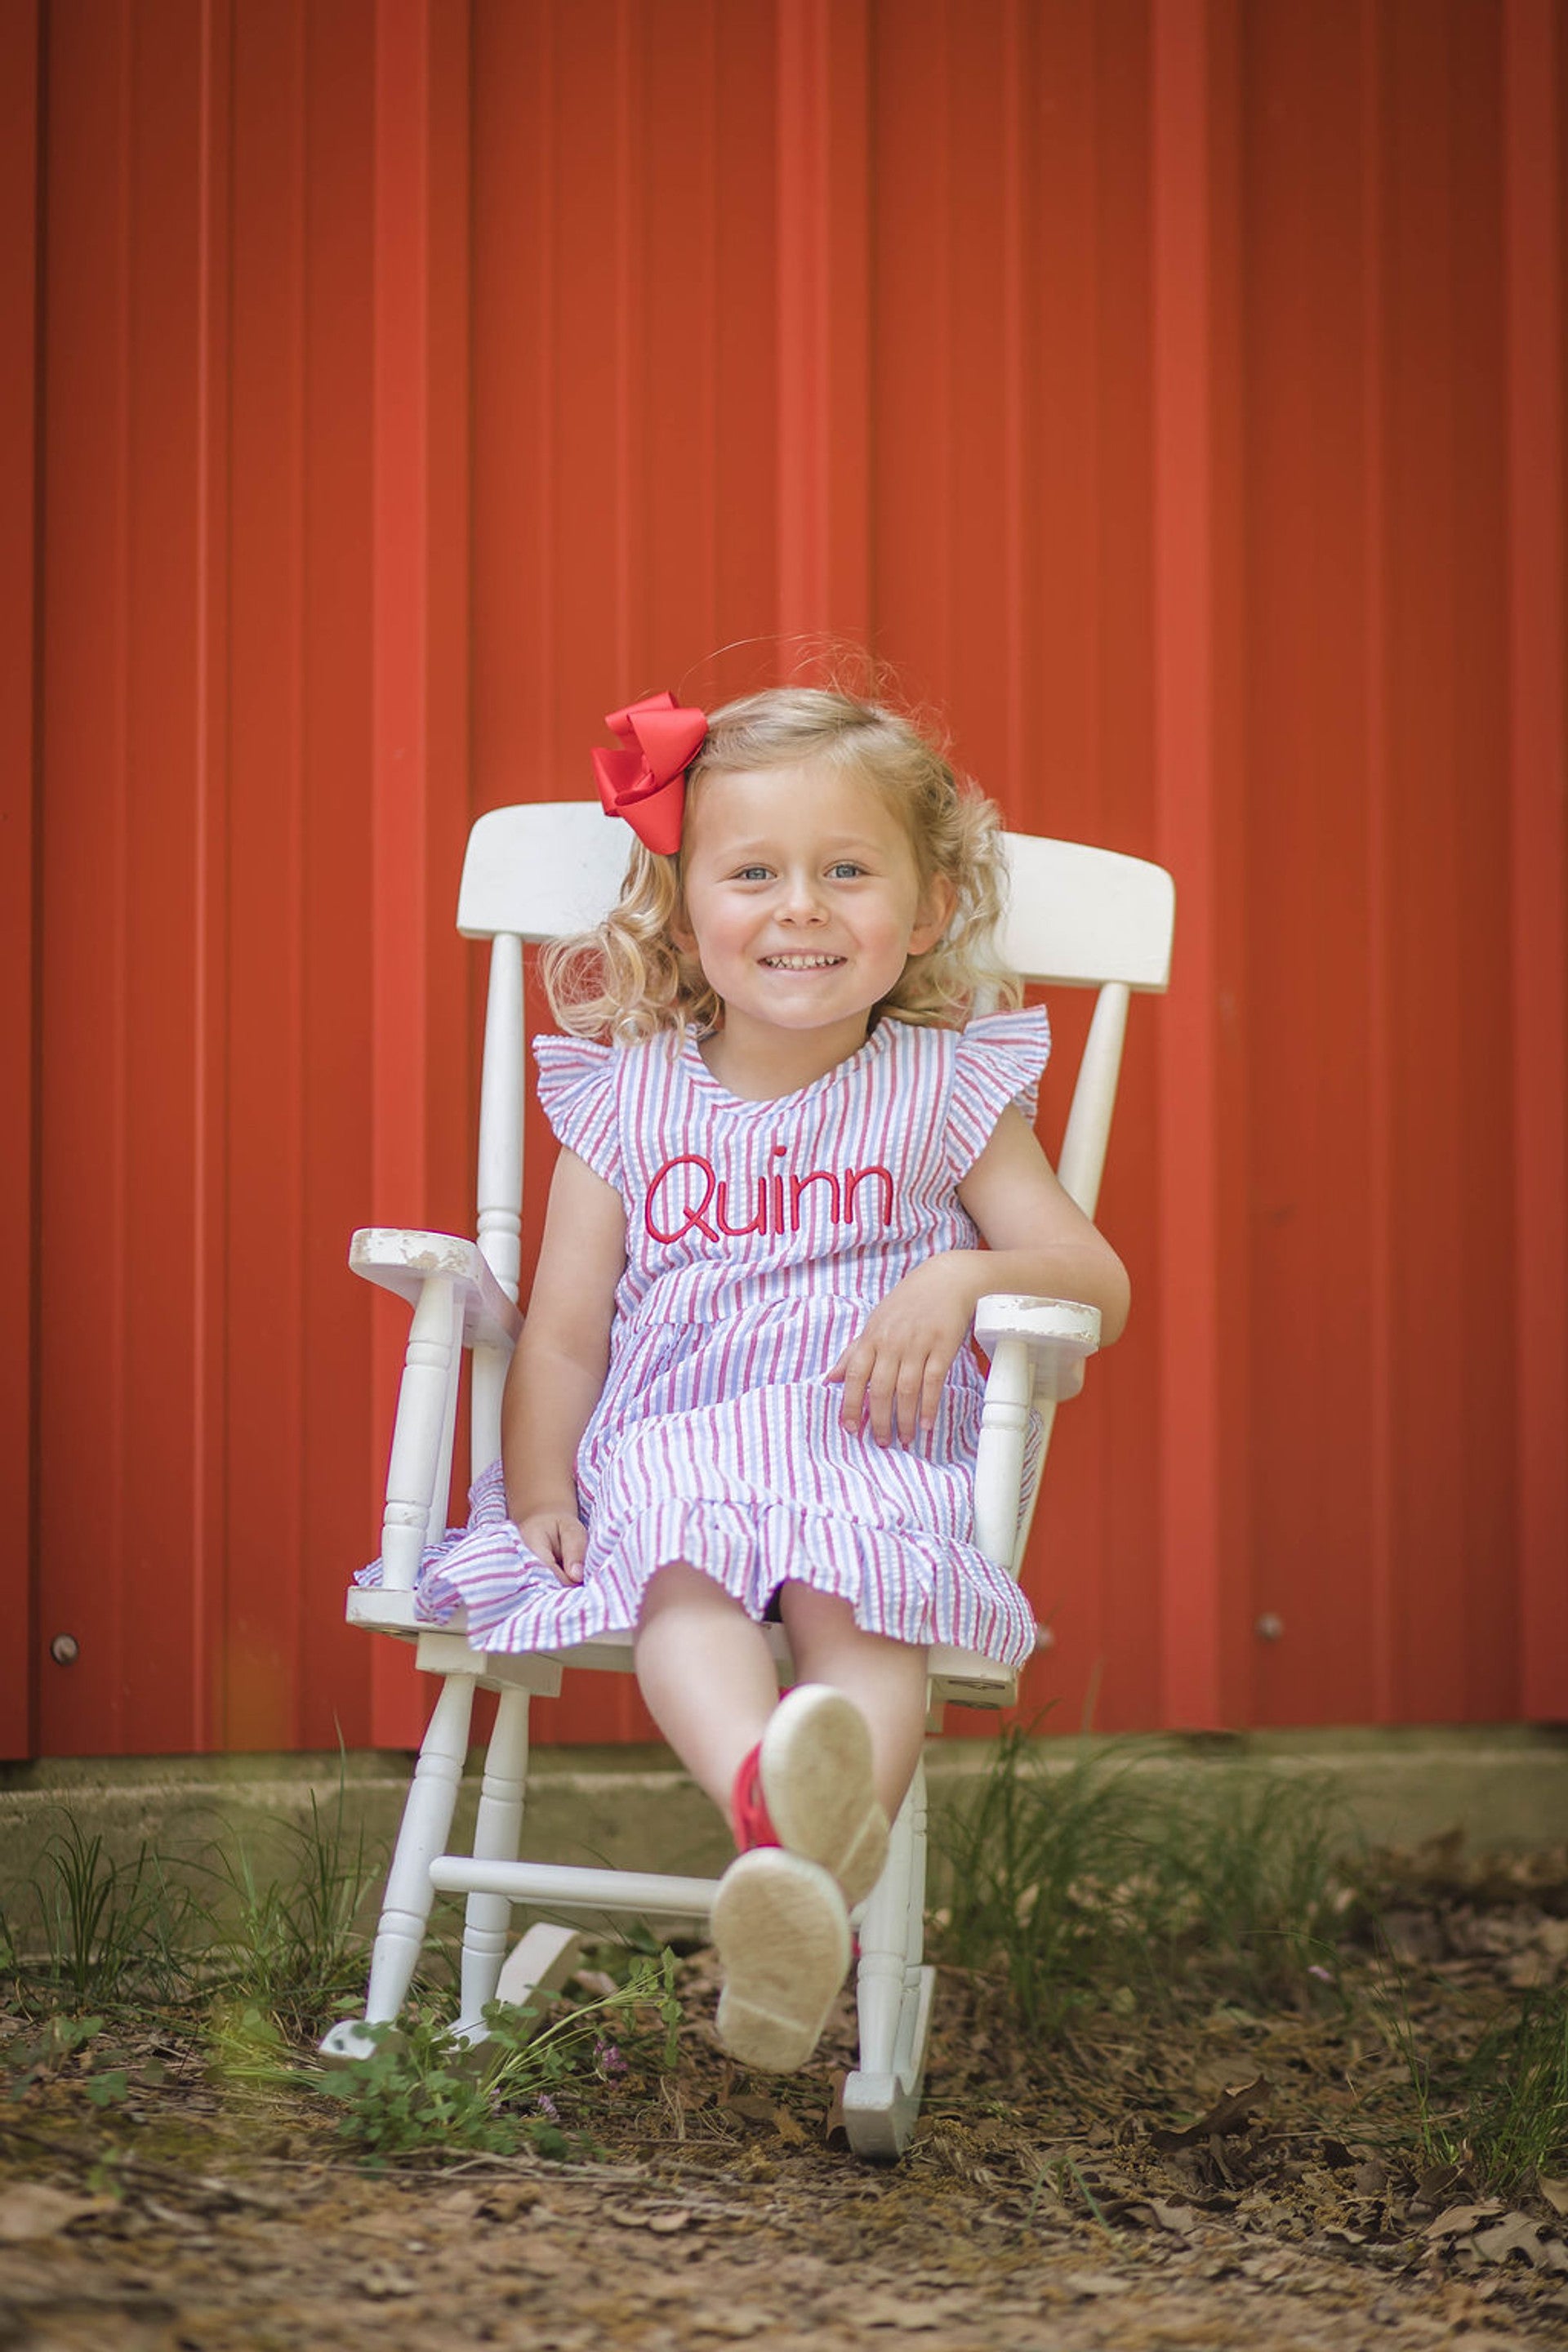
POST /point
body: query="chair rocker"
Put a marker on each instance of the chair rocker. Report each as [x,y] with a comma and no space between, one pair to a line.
[1079,917]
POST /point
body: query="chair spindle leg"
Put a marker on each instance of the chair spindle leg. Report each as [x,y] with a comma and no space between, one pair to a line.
[498,1835]
[405,1910]
[884,1930]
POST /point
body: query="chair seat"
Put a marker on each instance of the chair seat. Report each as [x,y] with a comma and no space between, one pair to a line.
[963,1677]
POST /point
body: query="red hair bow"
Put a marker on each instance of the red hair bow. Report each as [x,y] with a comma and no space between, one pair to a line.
[645,782]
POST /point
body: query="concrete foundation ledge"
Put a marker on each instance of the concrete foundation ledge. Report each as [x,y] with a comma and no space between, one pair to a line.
[1504,1789]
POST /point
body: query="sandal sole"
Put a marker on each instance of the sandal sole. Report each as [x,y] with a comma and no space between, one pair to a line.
[783,1936]
[817,1784]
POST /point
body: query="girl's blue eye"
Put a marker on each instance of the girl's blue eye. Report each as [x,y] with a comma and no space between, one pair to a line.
[752,873]
[845,870]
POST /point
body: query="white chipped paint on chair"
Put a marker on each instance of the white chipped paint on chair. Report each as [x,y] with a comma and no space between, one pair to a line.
[1079,918]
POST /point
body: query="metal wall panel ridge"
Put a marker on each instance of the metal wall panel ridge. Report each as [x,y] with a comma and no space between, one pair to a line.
[1169,396]
[19,148]
[125,1183]
[1535,70]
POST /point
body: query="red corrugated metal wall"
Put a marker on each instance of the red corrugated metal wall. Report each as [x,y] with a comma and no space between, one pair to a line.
[1170,389]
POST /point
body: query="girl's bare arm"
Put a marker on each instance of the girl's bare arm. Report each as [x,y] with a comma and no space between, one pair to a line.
[1038,1240]
[1040,1243]
[559,1366]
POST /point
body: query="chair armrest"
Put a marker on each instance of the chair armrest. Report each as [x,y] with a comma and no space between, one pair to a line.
[1058,1334]
[405,1261]
[457,1302]
[1038,1348]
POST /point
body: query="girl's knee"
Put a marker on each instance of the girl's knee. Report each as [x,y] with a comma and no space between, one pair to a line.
[826,1619]
[678,1585]
[802,1606]
[823,1634]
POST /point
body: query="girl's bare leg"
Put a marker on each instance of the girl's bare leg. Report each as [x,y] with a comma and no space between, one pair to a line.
[779,1922]
[885,1679]
[706,1674]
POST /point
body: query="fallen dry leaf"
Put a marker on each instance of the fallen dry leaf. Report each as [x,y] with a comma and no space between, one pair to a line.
[1555,2193]
[461,2205]
[1092,2282]
[1518,2234]
[1232,2113]
[1180,2219]
[1461,2219]
[29,2210]
[752,2109]
[1267,2268]
[508,2201]
[740,2320]
[893,2311]
[1434,2185]
[382,2283]
[659,2225]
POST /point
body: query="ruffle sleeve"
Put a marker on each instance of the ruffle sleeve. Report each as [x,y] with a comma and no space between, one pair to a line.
[577,1089]
[998,1060]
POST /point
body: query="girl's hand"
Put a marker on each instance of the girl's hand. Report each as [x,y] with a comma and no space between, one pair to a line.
[897,1366]
[558,1537]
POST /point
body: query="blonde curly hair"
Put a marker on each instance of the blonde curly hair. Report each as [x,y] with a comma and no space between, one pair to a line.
[629,978]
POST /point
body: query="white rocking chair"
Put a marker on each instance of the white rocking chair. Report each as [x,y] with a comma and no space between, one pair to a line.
[1079,918]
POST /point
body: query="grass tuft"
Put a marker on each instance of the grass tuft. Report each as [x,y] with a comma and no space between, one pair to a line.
[1109,1876]
[110,1930]
[1504,2113]
[291,1945]
[1516,2112]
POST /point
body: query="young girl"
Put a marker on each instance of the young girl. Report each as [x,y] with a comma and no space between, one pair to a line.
[743,1390]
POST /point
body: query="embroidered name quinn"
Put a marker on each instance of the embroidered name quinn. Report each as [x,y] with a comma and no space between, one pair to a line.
[672,1209]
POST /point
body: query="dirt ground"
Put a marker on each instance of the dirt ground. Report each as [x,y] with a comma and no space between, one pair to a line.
[1247,2180]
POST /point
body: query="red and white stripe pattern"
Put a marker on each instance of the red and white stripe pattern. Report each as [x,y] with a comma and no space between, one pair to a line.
[758,1236]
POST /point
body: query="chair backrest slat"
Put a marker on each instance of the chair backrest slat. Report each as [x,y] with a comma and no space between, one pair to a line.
[500,1118]
[1088,1132]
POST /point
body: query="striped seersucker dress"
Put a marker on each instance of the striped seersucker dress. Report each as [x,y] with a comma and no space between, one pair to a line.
[759,1237]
